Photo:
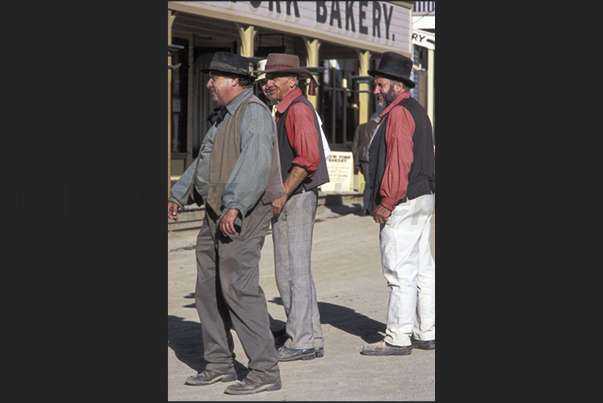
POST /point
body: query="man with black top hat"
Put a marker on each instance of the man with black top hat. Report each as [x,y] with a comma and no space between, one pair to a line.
[303,169]
[230,176]
[401,168]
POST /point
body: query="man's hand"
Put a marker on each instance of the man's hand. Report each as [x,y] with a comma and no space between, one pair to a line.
[278,204]
[297,175]
[173,211]
[381,215]
[227,222]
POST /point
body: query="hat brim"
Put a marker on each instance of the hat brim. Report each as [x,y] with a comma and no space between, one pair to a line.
[236,73]
[300,72]
[406,81]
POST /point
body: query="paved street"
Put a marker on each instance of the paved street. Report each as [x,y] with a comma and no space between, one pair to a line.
[352,298]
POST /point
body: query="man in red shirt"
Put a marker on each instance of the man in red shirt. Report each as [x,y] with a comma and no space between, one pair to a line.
[303,169]
[401,170]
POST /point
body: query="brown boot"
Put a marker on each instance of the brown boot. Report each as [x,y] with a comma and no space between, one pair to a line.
[209,376]
[247,387]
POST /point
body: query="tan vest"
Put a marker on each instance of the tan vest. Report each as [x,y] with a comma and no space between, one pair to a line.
[224,154]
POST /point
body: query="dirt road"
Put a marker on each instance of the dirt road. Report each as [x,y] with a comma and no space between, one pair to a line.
[352,295]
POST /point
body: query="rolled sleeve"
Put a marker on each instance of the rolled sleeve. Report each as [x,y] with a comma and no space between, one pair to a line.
[303,137]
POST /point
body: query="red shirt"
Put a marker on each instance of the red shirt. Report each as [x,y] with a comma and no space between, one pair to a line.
[399,156]
[301,132]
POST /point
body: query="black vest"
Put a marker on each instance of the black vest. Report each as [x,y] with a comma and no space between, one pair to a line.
[288,154]
[422,169]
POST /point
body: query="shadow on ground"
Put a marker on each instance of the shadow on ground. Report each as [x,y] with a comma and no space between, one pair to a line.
[185,337]
[336,205]
[347,320]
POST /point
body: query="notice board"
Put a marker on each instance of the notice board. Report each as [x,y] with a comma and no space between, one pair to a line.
[341,172]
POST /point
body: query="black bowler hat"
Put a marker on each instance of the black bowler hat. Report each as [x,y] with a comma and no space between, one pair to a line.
[226,62]
[394,66]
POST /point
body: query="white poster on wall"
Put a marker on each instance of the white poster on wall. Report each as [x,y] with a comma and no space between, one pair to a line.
[341,172]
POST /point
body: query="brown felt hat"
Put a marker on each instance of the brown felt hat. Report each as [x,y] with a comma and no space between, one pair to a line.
[282,63]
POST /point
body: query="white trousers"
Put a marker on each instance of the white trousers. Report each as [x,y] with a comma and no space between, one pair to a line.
[409,269]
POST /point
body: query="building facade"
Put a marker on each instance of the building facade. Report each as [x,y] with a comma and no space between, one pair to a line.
[338,41]
[423,40]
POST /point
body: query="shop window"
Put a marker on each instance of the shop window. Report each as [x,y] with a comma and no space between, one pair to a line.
[339,102]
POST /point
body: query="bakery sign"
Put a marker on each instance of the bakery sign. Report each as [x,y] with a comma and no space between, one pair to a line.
[423,38]
[370,25]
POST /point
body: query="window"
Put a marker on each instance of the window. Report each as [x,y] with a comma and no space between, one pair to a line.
[339,102]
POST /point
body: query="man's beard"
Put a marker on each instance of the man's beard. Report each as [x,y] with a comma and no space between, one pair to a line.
[390,96]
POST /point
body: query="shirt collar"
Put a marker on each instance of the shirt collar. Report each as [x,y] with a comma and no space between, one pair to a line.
[396,101]
[236,101]
[284,104]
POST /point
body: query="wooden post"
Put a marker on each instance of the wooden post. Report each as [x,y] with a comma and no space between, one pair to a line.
[312,46]
[363,97]
[363,100]
[247,34]
[430,84]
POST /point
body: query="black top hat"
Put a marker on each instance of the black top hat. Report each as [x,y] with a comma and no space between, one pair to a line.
[396,67]
[226,62]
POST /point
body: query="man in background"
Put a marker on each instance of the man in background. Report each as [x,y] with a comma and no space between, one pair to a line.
[360,147]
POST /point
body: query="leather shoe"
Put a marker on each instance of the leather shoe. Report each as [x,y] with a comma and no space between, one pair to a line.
[383,348]
[319,352]
[248,387]
[291,354]
[423,344]
[209,376]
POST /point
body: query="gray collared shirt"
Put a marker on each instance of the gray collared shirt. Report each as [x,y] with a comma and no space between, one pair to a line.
[250,175]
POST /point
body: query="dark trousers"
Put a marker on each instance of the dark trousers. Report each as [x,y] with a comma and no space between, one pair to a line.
[228,295]
[364,168]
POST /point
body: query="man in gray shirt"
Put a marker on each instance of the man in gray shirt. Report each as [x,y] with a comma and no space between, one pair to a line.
[230,176]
